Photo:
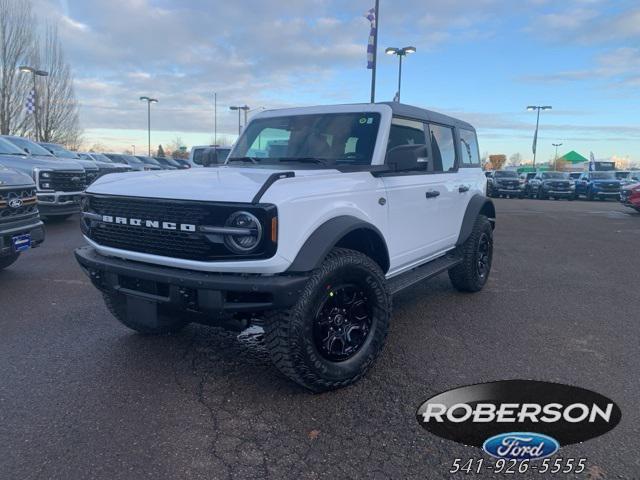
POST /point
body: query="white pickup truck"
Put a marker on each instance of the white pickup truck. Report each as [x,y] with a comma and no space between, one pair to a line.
[317,218]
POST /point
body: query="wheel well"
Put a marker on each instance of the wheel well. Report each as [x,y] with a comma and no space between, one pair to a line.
[368,242]
[489,211]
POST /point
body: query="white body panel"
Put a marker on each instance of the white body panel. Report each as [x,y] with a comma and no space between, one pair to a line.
[415,228]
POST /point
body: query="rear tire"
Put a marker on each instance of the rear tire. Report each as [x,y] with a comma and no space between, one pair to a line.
[168,322]
[472,274]
[337,329]
[8,260]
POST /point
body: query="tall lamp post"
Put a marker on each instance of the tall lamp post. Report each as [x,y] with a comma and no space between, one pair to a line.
[34,73]
[240,109]
[532,108]
[149,101]
[401,53]
[555,161]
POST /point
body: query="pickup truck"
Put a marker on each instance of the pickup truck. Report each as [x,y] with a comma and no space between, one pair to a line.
[59,183]
[20,224]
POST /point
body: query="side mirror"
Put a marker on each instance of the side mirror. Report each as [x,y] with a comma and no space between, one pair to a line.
[406,157]
[27,150]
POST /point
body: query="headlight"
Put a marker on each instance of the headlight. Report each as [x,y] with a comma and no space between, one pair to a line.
[572,186]
[249,232]
[45,175]
[45,185]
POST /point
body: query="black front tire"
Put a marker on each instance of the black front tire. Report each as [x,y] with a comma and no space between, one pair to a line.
[8,260]
[292,336]
[472,274]
[169,322]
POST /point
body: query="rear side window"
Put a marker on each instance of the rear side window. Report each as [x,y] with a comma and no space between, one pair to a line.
[469,149]
[442,148]
[406,132]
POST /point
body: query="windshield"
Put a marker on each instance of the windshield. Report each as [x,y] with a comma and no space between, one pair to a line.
[340,138]
[555,175]
[60,152]
[603,175]
[131,159]
[149,161]
[33,148]
[506,174]
[8,148]
[101,158]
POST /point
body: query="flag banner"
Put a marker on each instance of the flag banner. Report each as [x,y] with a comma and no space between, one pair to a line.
[371,16]
[592,162]
[30,104]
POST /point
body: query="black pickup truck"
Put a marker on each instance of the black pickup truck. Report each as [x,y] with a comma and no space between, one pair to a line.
[20,224]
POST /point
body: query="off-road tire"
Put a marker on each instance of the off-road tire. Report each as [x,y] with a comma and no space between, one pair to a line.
[466,277]
[8,260]
[289,333]
[170,322]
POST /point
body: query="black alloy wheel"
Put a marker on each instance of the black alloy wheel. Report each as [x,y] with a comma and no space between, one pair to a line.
[485,250]
[342,323]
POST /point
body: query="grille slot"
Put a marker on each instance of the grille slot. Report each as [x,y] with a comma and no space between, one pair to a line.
[169,243]
[29,208]
[66,181]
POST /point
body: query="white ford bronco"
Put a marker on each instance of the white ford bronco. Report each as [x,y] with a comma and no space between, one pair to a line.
[317,218]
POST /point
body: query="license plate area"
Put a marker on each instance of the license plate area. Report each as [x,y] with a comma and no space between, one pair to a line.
[21,243]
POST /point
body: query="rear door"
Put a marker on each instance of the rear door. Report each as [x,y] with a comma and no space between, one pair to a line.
[418,201]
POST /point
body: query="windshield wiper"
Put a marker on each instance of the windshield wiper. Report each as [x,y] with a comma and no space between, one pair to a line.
[320,161]
[244,159]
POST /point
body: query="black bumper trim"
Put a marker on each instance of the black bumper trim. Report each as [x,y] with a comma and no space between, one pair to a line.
[34,227]
[189,289]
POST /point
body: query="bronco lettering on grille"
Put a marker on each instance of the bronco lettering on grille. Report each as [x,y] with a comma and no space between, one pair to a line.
[138,222]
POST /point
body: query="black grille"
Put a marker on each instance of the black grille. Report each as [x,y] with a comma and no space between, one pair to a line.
[29,208]
[561,185]
[170,243]
[68,181]
[91,176]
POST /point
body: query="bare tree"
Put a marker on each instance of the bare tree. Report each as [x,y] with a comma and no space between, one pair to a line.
[17,25]
[59,121]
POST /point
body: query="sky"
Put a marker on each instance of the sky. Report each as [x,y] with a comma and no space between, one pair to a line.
[482,61]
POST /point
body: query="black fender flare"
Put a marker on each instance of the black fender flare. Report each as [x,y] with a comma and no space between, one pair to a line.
[316,248]
[479,204]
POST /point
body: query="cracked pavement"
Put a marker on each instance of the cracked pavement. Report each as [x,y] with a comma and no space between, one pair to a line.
[82,397]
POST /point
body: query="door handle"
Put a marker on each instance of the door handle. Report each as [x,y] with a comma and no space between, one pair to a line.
[463,188]
[432,194]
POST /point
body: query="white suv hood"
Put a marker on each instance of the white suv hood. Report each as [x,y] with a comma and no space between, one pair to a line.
[222,184]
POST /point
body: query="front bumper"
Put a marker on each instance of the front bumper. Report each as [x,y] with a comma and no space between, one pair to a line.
[188,289]
[597,192]
[560,193]
[59,203]
[508,191]
[20,227]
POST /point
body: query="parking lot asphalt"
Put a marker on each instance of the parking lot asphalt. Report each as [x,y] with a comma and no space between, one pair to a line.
[81,397]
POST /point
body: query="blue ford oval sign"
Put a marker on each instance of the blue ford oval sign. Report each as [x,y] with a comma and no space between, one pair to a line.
[521,446]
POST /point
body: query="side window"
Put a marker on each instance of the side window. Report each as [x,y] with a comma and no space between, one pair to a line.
[197,156]
[406,132]
[442,148]
[469,149]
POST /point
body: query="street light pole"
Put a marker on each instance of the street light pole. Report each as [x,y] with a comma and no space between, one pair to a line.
[555,161]
[215,118]
[400,52]
[240,109]
[535,137]
[35,73]
[149,101]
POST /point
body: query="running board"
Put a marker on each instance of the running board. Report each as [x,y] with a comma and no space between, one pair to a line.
[424,272]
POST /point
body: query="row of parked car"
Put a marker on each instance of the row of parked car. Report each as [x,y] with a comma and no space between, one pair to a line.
[600,185]
[44,181]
